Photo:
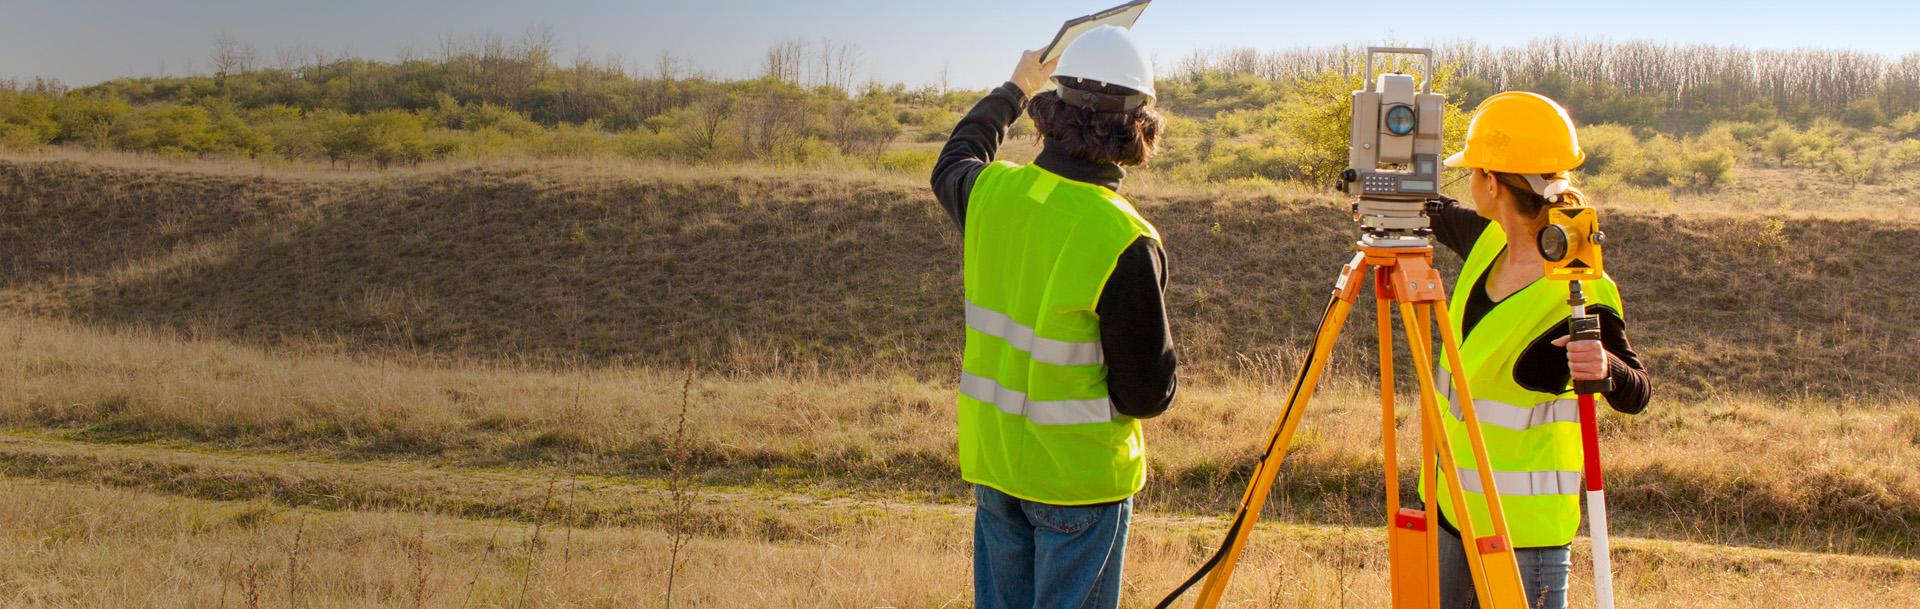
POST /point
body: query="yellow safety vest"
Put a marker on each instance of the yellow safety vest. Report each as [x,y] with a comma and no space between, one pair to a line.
[1035,420]
[1532,438]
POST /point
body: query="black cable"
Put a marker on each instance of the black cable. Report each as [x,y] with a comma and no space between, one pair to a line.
[1240,515]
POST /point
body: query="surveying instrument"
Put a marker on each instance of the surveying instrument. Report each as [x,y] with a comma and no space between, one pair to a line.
[1394,156]
[1570,244]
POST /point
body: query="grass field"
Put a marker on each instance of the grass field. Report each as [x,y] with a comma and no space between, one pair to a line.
[459,387]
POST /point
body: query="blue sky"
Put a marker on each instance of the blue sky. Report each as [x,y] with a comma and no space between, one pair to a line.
[85,41]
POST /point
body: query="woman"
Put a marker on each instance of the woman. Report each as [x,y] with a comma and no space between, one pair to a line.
[1519,364]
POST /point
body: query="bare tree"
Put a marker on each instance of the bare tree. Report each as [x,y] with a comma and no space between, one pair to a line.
[783,61]
[231,57]
[1693,80]
[771,117]
[838,62]
[708,116]
[667,67]
[536,45]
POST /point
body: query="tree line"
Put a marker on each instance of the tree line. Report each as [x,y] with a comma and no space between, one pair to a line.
[1672,115]
[1665,87]
[474,98]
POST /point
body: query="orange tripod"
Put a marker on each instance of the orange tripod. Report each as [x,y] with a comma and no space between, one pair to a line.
[1402,276]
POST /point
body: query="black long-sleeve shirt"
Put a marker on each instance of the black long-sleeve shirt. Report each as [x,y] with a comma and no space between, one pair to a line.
[1134,335]
[1543,367]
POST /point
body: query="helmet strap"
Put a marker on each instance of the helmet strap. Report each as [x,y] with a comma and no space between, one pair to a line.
[1101,102]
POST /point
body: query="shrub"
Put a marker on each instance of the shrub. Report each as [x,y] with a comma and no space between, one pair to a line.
[1854,166]
[169,128]
[1710,167]
[908,161]
[90,119]
[1903,155]
[574,142]
[26,121]
[1782,144]
[1611,149]
[1666,163]
[1907,126]
[1864,113]
[392,137]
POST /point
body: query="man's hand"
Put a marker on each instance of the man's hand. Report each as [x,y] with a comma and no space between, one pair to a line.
[1586,359]
[1031,75]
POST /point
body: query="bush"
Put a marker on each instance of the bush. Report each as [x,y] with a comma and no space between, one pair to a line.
[1907,126]
[574,142]
[1279,161]
[918,162]
[1864,113]
[1710,167]
[90,119]
[1666,163]
[1611,149]
[1856,166]
[394,136]
[384,138]
[863,126]
[1783,144]
[26,121]
[169,129]
[1903,155]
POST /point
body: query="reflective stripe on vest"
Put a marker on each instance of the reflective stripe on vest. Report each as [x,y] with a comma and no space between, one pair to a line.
[1524,484]
[1041,349]
[1052,412]
[1517,418]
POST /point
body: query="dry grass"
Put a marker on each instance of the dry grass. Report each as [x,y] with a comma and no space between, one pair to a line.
[457,386]
[74,546]
[1851,486]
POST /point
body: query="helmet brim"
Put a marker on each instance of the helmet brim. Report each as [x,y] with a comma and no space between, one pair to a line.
[1458,160]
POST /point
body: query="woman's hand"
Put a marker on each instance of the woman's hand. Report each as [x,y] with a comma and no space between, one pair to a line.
[1031,75]
[1586,359]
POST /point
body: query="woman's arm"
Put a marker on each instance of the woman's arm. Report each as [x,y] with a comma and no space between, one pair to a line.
[1550,362]
[1457,227]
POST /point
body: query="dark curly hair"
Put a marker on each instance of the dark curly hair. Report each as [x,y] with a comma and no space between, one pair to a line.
[1125,138]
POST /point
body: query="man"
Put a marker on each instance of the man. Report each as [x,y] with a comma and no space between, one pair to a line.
[1067,340]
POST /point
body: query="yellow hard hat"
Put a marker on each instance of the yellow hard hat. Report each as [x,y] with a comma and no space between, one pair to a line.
[1520,132]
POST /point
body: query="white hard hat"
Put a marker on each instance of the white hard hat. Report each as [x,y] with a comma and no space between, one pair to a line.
[1107,54]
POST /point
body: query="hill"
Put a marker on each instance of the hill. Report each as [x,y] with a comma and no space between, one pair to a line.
[278,343]
[757,270]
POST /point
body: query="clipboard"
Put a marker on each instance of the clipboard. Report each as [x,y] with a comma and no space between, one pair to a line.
[1124,16]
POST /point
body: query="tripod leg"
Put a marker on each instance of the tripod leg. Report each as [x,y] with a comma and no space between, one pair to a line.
[1490,561]
[1408,560]
[1383,314]
[1431,508]
[1473,427]
[1219,569]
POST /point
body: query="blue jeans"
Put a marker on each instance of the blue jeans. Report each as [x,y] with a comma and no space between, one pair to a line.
[1029,555]
[1542,570]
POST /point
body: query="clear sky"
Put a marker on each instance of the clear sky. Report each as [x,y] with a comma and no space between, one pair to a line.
[86,41]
